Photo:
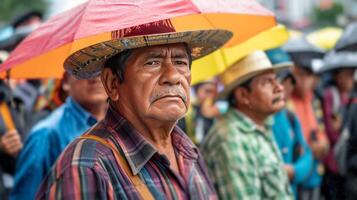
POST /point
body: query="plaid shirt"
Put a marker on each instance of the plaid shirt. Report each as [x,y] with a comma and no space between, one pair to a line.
[88,169]
[244,161]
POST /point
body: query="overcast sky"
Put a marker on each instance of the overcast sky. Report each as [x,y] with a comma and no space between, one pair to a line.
[58,6]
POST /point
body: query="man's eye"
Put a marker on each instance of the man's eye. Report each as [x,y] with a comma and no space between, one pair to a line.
[180,62]
[151,63]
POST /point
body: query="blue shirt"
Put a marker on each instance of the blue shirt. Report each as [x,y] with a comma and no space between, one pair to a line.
[291,141]
[46,141]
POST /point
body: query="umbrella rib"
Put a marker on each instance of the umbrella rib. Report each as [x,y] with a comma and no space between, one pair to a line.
[81,22]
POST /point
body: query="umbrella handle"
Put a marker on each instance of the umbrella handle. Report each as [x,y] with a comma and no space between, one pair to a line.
[6,115]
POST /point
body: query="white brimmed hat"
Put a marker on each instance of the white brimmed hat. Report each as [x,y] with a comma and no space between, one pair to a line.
[245,69]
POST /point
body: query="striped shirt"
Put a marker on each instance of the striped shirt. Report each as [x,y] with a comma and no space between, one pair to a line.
[88,169]
[244,161]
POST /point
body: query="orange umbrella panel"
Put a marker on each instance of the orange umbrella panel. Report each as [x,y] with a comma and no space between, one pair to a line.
[43,52]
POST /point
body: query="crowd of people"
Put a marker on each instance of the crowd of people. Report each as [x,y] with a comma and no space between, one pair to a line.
[278,124]
[301,118]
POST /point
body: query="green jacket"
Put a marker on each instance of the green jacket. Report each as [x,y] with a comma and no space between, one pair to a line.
[243,160]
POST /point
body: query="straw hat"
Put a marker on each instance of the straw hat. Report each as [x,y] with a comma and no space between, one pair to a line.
[88,62]
[247,68]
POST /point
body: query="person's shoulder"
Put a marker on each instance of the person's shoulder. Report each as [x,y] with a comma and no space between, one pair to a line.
[221,134]
[226,126]
[83,153]
[329,92]
[51,121]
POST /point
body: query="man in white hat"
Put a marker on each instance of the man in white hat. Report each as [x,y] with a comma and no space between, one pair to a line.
[137,151]
[240,150]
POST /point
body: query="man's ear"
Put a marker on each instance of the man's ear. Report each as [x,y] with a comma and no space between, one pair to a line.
[111,84]
[65,82]
[241,95]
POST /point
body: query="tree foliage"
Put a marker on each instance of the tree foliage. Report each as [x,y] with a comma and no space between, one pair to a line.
[328,17]
[10,9]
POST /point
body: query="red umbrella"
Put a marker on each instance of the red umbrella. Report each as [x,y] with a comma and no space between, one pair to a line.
[42,54]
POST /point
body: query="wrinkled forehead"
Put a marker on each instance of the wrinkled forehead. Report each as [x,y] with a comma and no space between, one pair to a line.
[267,74]
[178,50]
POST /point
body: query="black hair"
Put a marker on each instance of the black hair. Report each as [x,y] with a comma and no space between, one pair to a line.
[26,16]
[117,63]
[247,84]
[231,97]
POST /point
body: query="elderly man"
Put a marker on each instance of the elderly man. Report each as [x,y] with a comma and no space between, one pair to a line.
[137,152]
[240,150]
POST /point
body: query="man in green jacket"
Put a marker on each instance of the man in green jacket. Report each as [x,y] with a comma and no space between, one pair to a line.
[243,159]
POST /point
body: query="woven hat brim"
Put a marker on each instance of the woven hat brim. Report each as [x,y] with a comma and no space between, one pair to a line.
[88,62]
[229,88]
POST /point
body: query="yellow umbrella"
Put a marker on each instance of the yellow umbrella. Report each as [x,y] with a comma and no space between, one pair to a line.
[217,62]
[294,34]
[325,38]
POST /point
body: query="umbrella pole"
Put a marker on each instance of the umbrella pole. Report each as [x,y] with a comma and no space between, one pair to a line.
[11,99]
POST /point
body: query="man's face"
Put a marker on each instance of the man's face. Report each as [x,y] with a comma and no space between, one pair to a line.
[266,94]
[288,85]
[344,79]
[157,82]
[305,80]
[87,92]
[206,90]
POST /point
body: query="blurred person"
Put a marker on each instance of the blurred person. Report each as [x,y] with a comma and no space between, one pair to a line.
[336,99]
[10,140]
[53,96]
[137,151]
[85,105]
[203,111]
[11,127]
[308,109]
[24,92]
[22,26]
[287,131]
[241,154]
[351,152]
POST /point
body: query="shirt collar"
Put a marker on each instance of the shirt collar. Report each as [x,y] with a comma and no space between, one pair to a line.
[80,112]
[246,124]
[137,150]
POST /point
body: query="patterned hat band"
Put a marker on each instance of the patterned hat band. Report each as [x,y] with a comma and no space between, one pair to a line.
[89,61]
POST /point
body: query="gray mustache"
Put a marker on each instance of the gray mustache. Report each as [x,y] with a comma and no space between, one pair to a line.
[169,92]
[277,99]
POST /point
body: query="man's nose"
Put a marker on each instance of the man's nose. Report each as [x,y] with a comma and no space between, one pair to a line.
[170,75]
[278,87]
